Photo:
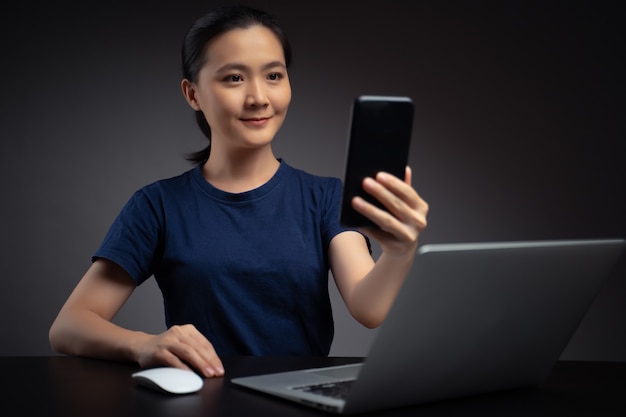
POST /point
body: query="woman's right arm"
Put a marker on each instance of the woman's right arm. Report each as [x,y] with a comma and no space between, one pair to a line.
[84,327]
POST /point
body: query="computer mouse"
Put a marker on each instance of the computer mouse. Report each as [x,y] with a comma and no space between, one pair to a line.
[169,380]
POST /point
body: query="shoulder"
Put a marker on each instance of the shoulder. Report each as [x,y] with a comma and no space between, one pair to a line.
[311,180]
[174,184]
[319,191]
[160,193]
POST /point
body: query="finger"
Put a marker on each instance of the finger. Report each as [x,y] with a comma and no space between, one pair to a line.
[392,197]
[401,189]
[382,218]
[405,192]
[196,351]
[405,212]
[207,352]
[408,175]
[168,358]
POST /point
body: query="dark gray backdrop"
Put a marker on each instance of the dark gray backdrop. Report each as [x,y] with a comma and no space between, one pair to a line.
[518,132]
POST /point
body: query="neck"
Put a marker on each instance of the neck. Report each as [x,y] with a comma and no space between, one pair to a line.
[241,171]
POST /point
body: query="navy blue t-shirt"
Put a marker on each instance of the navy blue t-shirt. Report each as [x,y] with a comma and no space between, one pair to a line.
[249,270]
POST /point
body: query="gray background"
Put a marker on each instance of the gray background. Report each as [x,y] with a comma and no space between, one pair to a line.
[518,132]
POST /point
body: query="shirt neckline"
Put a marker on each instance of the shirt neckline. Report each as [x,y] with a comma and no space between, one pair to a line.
[245,196]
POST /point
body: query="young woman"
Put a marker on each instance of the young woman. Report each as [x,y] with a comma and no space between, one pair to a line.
[240,245]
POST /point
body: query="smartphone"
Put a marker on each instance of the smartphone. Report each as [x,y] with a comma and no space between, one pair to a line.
[379,140]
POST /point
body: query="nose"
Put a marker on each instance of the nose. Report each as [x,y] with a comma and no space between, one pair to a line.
[256,96]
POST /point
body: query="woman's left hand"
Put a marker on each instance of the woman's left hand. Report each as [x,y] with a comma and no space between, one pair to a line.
[405,219]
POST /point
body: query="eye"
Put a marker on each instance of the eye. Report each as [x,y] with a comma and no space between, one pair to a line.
[233,78]
[274,76]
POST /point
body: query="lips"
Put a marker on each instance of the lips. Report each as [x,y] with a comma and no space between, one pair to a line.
[256,121]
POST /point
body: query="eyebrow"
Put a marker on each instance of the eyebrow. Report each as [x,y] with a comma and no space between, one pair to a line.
[242,67]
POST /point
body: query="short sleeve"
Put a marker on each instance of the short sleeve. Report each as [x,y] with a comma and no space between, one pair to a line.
[332,210]
[133,240]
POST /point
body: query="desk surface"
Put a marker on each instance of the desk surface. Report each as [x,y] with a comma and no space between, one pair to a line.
[70,386]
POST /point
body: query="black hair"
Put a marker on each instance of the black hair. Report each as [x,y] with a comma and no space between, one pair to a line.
[206,28]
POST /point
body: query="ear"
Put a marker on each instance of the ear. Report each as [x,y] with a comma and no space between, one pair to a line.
[189,91]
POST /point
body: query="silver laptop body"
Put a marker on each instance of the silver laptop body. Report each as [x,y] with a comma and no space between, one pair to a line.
[470,318]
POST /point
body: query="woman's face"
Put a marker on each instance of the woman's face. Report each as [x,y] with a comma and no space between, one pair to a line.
[243,88]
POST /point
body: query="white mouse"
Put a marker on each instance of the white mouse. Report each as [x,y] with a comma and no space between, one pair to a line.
[170,380]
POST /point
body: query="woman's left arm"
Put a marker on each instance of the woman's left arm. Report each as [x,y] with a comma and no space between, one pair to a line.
[369,288]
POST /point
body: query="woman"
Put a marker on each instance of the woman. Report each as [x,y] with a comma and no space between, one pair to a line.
[241,244]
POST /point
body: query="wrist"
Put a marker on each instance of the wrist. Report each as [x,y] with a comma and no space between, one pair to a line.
[132,348]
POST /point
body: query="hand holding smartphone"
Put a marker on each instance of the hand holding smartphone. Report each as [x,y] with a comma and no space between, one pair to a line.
[379,140]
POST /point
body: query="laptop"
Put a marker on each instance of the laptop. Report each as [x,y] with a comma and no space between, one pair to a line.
[470,318]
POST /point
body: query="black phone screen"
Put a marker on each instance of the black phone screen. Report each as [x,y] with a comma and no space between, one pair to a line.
[379,140]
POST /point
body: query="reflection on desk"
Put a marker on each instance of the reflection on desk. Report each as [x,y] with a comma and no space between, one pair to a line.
[73,387]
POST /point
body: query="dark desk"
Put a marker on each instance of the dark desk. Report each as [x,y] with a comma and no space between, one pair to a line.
[68,386]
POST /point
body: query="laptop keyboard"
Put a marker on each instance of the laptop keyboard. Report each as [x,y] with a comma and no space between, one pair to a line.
[338,389]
